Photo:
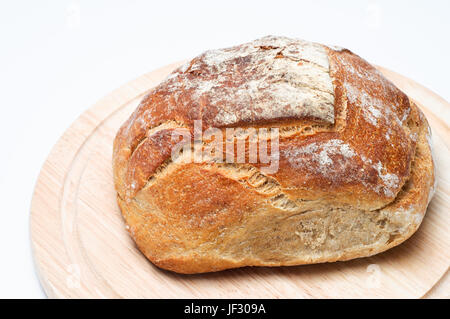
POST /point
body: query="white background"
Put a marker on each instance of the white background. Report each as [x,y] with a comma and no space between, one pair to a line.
[60,57]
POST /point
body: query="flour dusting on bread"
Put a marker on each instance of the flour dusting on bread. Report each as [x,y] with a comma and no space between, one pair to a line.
[322,157]
[284,78]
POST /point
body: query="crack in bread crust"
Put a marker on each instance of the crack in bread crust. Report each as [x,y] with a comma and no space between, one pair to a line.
[286,131]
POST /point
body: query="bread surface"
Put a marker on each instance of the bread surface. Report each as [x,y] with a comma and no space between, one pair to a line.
[354,171]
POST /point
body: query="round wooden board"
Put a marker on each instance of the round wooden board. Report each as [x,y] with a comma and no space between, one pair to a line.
[82,250]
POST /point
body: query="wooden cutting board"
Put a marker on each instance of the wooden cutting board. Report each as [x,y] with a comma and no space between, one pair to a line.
[82,250]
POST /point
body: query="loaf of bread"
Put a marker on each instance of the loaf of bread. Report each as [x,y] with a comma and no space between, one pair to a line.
[343,166]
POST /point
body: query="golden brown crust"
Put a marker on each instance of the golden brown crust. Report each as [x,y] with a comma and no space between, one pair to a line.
[350,183]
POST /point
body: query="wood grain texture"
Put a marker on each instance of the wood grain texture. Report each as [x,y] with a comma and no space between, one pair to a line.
[82,249]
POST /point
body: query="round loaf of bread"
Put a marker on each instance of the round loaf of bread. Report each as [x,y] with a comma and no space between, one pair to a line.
[342,169]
